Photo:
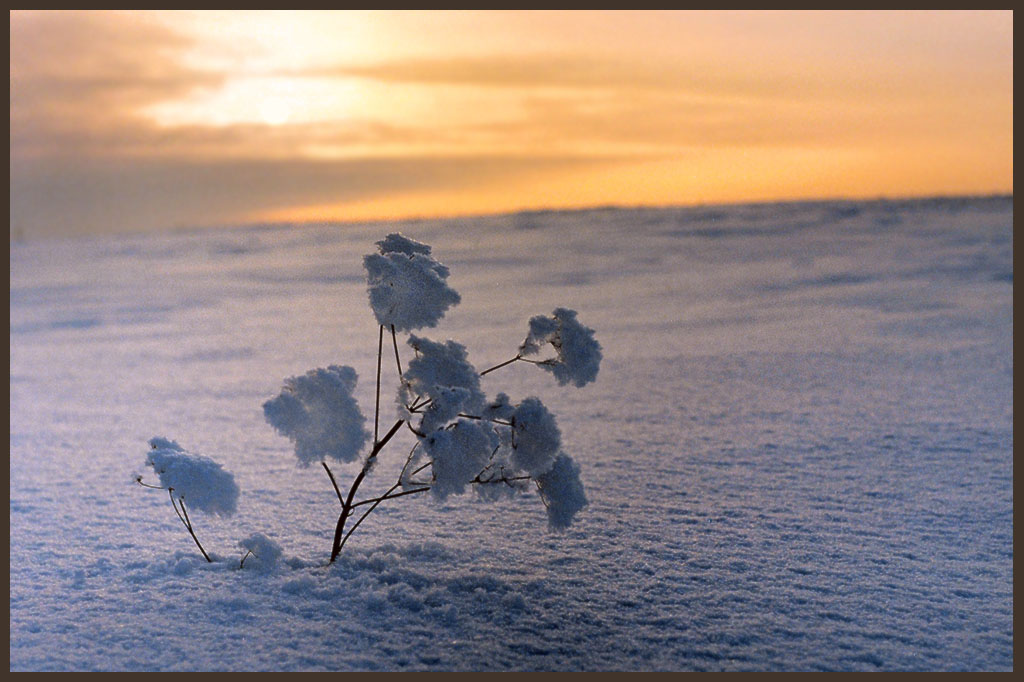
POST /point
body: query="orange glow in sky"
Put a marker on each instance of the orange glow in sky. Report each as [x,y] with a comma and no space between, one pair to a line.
[135,120]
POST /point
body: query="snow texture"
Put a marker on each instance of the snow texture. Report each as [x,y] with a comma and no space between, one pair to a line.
[798,454]
[319,413]
[578,356]
[200,481]
[562,491]
[408,289]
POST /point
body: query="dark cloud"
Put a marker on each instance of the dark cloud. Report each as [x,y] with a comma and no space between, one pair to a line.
[97,195]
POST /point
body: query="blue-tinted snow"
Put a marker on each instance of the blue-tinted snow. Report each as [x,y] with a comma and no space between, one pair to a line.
[798,452]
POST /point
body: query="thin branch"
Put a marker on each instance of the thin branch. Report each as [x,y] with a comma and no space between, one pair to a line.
[502,364]
[374,506]
[479,418]
[242,562]
[333,482]
[398,361]
[417,405]
[170,493]
[421,468]
[408,461]
[503,479]
[388,496]
[376,409]
[188,525]
[549,361]
[138,480]
[387,436]
[181,503]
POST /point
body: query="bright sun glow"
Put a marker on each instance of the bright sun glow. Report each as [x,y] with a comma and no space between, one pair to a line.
[261,100]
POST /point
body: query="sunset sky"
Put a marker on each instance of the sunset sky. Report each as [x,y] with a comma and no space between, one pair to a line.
[145,120]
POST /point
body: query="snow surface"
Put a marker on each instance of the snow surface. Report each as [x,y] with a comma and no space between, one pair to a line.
[797,453]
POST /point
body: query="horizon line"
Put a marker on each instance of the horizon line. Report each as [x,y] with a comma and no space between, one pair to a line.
[474,215]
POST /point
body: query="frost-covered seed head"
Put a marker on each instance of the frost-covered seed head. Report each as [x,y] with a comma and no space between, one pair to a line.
[459,453]
[407,287]
[197,479]
[562,491]
[318,412]
[499,408]
[578,353]
[438,368]
[537,438]
[399,243]
[446,404]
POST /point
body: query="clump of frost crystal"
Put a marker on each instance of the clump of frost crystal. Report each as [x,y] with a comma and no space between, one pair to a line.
[536,437]
[578,352]
[441,373]
[458,454]
[318,412]
[408,289]
[262,553]
[562,491]
[199,480]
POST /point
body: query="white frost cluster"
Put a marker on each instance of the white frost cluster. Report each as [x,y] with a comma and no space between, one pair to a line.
[199,480]
[318,412]
[459,453]
[578,352]
[407,287]
[536,439]
[562,491]
[265,552]
[445,405]
[441,372]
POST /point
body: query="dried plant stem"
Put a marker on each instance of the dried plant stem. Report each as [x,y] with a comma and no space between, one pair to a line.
[501,364]
[183,516]
[398,361]
[346,505]
[386,496]
[333,482]
[376,409]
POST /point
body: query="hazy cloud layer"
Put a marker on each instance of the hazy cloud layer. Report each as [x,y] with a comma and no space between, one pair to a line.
[100,195]
[117,124]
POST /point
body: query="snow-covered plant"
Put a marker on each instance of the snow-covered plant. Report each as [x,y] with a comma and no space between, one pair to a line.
[206,485]
[463,440]
[261,552]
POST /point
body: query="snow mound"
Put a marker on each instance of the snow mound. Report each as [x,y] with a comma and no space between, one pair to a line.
[408,289]
[197,479]
[265,552]
[579,353]
[318,412]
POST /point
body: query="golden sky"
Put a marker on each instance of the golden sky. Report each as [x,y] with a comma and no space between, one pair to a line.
[136,120]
